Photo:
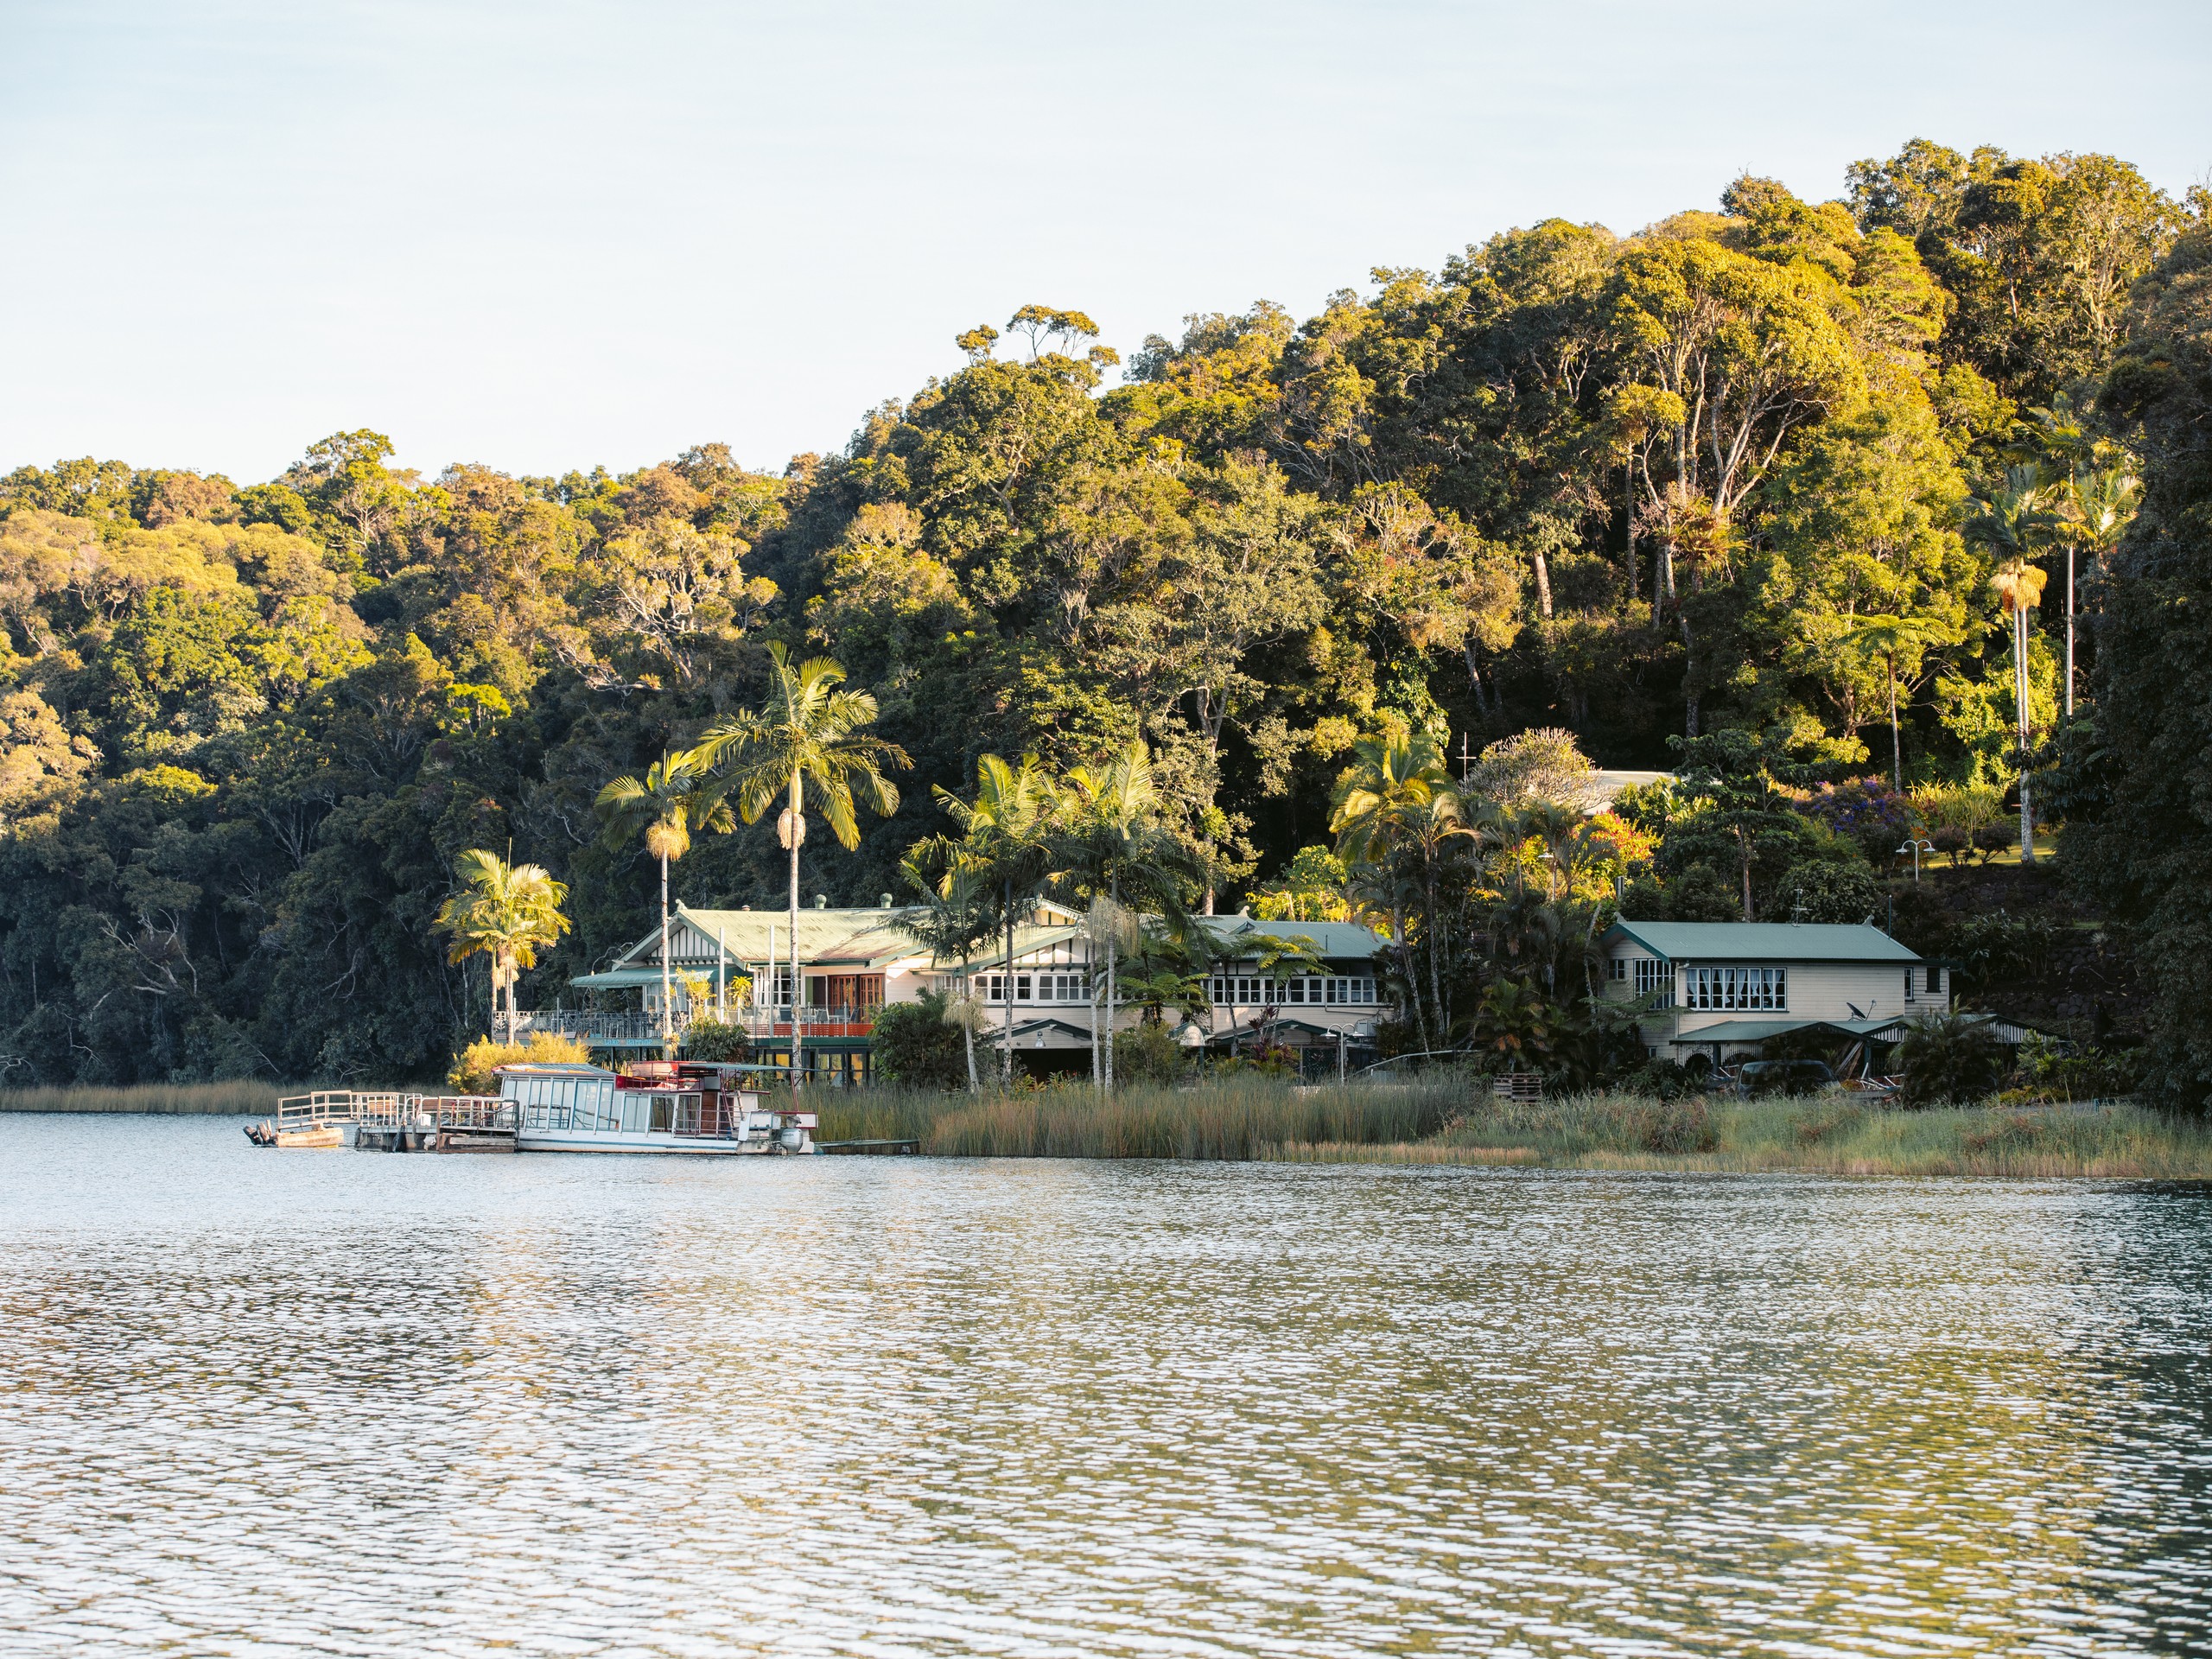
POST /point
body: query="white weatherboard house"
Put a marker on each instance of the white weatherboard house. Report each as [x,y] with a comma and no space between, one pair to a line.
[1723,988]
[857,960]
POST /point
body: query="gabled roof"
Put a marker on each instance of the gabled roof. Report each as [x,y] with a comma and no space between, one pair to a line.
[826,938]
[1763,941]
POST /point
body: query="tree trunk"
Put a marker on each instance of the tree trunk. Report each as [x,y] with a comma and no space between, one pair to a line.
[1743,856]
[1112,960]
[2020,681]
[2069,631]
[1897,750]
[798,981]
[1413,978]
[967,1035]
[1006,1060]
[667,1008]
[1543,585]
[1632,583]
[1435,977]
[1475,677]
[1092,984]
[1690,692]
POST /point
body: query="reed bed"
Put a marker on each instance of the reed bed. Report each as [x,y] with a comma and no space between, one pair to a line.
[1234,1118]
[1827,1136]
[1448,1121]
[241,1098]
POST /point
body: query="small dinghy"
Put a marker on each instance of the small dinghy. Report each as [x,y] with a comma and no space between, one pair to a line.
[268,1134]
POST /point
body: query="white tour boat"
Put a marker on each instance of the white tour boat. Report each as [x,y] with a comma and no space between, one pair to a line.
[688,1107]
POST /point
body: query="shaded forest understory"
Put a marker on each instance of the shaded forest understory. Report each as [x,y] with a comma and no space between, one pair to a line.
[1782,497]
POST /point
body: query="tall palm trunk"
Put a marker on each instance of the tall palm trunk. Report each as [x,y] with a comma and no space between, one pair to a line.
[1435,979]
[2020,696]
[1005,986]
[1413,975]
[798,983]
[968,1036]
[1113,960]
[667,1010]
[1896,748]
[2070,630]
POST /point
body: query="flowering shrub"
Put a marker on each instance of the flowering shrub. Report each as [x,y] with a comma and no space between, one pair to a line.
[1866,811]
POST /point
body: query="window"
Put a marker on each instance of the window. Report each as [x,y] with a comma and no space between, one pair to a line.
[1736,989]
[1617,968]
[1306,990]
[1652,975]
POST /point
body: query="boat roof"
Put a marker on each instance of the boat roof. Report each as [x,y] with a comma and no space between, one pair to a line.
[551,1069]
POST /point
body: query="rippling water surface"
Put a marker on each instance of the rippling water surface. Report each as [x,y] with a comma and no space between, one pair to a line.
[265,1404]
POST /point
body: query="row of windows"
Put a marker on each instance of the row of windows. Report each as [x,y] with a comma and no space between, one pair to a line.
[1743,987]
[1310,990]
[1034,987]
[1736,989]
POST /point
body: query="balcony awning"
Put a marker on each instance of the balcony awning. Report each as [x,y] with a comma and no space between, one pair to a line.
[620,979]
[1758,1030]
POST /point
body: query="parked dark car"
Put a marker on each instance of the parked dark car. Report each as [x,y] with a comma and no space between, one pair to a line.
[1783,1077]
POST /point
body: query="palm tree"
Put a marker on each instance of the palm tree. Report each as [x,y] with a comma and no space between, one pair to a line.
[1278,959]
[2013,525]
[1113,848]
[2100,503]
[1398,793]
[954,920]
[673,798]
[1167,970]
[1886,639]
[504,912]
[1005,850]
[806,728]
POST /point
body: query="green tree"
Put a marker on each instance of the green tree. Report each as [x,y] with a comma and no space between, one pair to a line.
[2013,526]
[806,730]
[675,797]
[504,912]
[1110,847]
[1397,794]
[1005,854]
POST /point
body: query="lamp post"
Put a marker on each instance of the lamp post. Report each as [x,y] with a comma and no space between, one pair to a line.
[1915,846]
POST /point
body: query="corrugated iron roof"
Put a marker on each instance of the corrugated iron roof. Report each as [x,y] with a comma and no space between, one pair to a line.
[1764,941]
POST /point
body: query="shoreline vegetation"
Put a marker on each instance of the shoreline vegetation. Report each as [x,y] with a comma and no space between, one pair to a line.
[1440,1122]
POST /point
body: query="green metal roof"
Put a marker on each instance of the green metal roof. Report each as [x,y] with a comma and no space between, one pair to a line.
[1339,939]
[1764,941]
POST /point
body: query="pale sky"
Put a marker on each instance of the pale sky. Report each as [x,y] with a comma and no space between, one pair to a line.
[550,235]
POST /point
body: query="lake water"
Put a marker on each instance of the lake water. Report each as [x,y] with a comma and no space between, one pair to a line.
[271,1403]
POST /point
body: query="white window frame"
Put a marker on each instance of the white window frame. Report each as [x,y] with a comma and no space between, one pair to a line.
[1736,987]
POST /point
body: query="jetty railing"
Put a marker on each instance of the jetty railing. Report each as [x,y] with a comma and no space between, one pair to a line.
[391,1109]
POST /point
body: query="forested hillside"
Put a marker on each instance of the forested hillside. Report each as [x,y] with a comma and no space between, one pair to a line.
[1741,481]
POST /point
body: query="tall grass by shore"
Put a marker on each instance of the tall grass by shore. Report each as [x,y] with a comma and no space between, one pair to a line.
[1432,1120]
[237,1099]
[1450,1122]
[1234,1118]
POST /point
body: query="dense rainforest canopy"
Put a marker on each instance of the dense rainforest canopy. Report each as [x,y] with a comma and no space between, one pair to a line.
[1704,497]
